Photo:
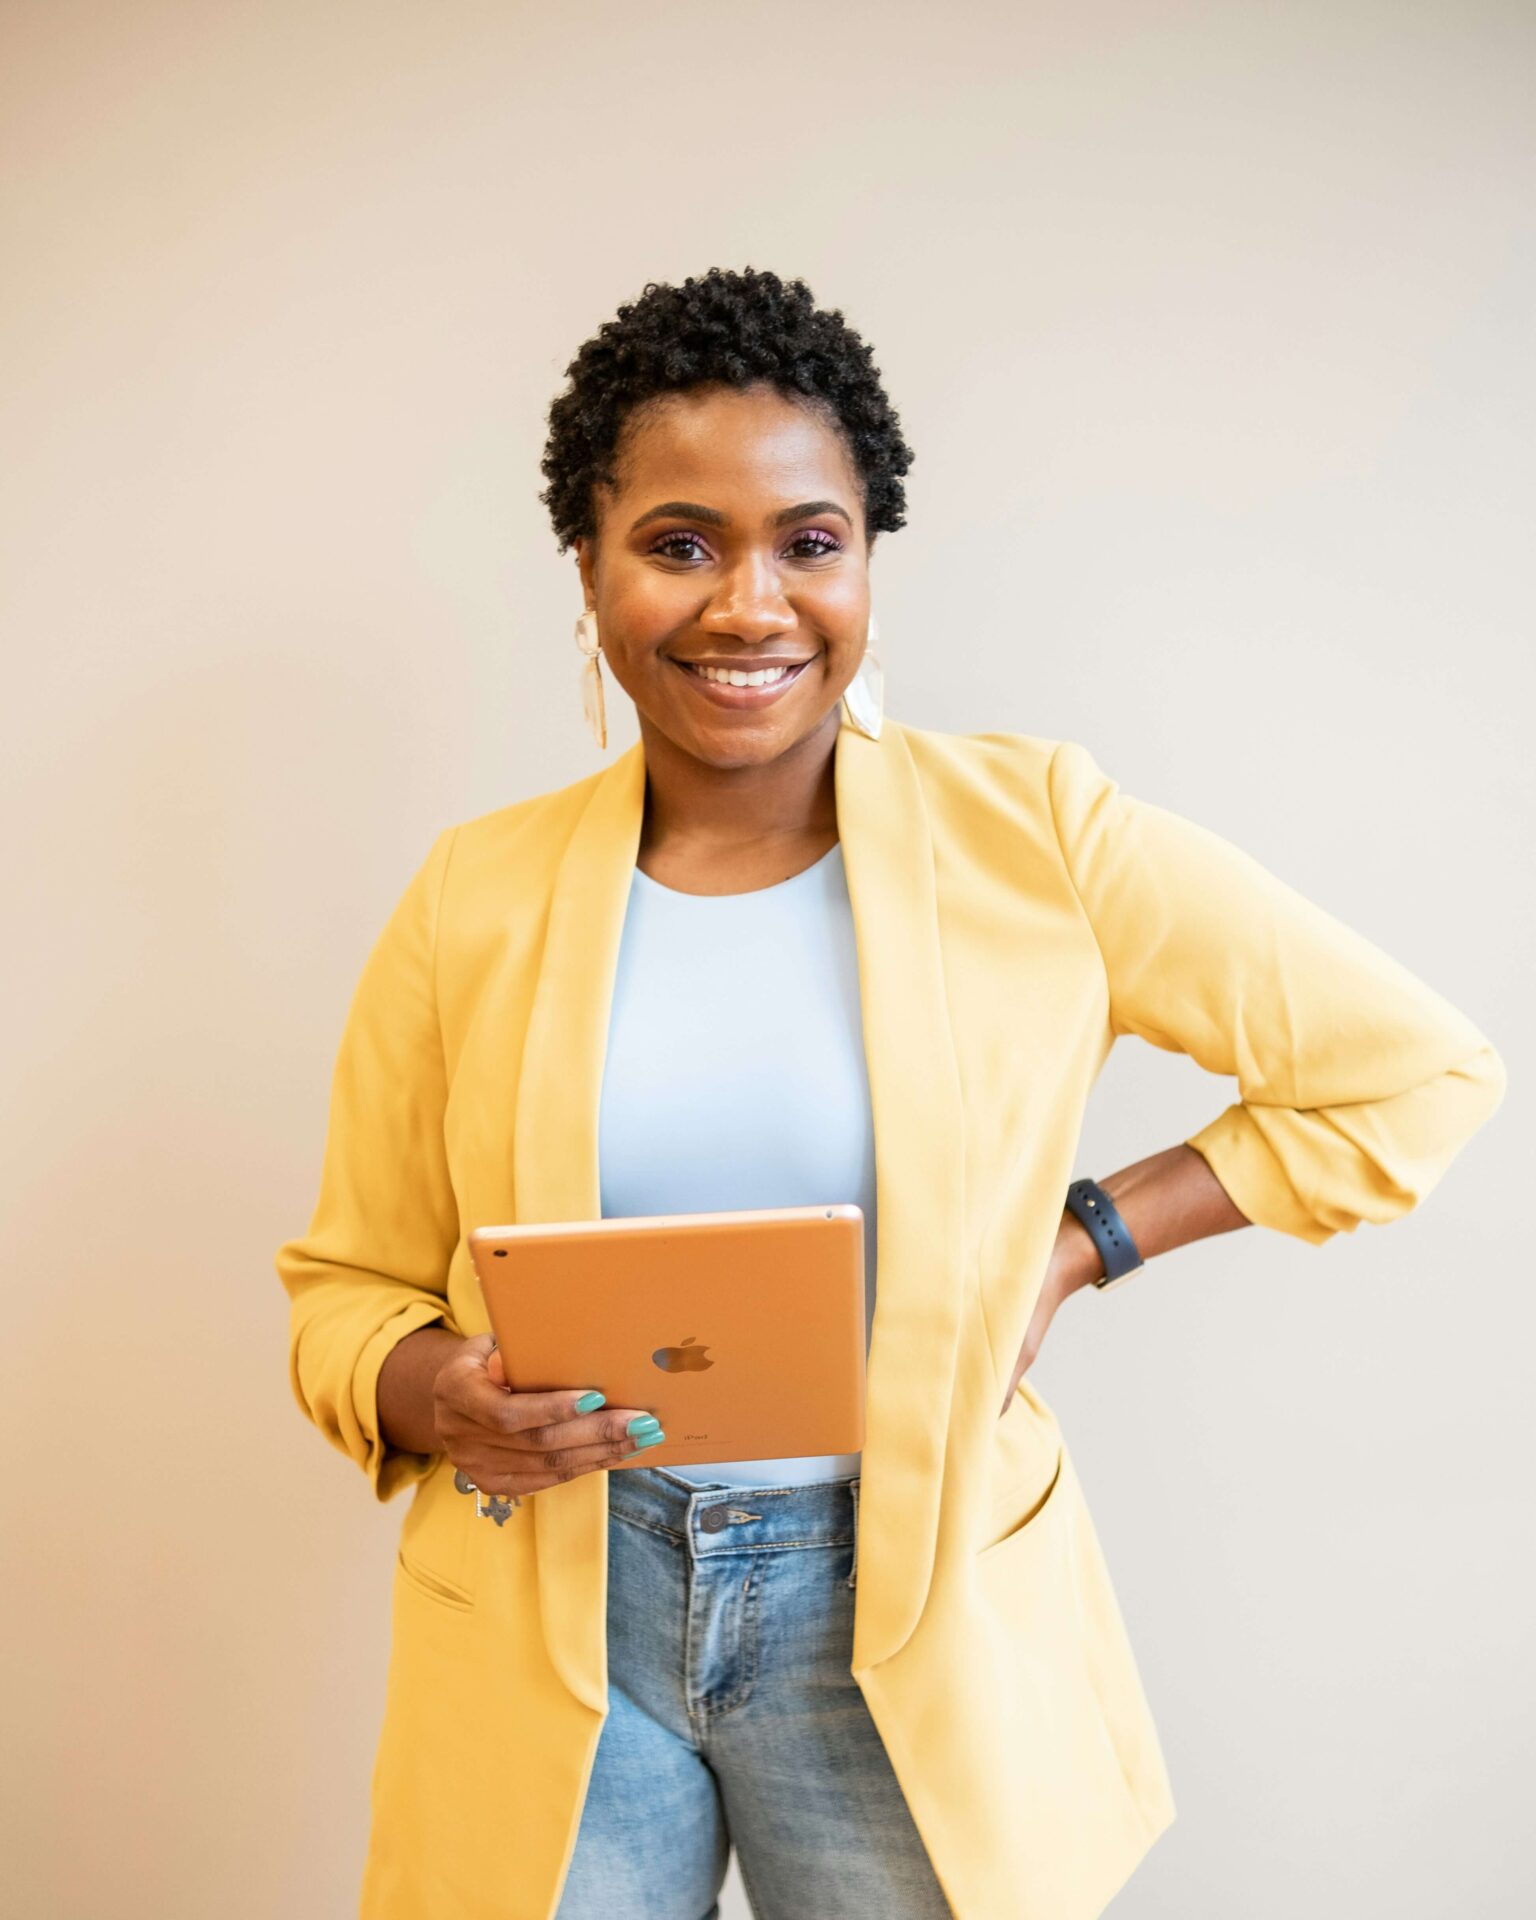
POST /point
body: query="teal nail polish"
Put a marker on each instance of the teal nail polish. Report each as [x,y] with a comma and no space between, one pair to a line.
[644,1423]
[590,1402]
[650,1439]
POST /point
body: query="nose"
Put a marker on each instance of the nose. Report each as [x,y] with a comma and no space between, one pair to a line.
[751,604]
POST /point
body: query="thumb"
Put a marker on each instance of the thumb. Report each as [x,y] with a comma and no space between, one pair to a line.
[480,1346]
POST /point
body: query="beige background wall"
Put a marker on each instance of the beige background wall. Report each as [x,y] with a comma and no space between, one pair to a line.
[1211,326]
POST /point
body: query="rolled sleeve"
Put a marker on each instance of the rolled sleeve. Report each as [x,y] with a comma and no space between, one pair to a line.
[373,1265]
[1358,1084]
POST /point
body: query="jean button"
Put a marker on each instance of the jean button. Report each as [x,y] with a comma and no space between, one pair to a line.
[712,1519]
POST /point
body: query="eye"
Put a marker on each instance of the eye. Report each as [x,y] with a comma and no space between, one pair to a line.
[669,543]
[824,543]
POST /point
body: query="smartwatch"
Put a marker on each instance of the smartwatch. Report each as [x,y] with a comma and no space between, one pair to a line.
[1098,1213]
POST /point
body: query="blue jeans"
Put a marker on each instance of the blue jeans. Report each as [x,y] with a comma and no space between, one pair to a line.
[733,1717]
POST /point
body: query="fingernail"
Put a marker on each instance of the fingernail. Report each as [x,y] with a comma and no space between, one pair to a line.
[644,1423]
[650,1439]
[589,1401]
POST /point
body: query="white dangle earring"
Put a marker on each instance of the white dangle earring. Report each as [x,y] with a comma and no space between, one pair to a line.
[864,696]
[592,677]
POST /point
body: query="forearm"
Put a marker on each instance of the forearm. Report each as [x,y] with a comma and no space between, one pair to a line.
[1166,1200]
[406,1417]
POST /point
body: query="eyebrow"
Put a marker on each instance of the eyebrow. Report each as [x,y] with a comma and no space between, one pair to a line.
[711,516]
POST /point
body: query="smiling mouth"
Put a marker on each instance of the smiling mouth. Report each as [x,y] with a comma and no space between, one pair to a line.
[741,688]
[743,676]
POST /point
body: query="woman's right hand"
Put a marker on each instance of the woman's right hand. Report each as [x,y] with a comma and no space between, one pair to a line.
[513,1443]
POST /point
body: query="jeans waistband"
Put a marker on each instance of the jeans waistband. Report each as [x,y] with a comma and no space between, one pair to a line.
[720,1519]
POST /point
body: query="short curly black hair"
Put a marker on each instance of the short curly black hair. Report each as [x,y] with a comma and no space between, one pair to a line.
[739,329]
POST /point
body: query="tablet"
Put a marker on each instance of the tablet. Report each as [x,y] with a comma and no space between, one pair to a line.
[743,1332]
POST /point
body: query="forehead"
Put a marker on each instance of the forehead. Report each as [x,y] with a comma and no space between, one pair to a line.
[709,442]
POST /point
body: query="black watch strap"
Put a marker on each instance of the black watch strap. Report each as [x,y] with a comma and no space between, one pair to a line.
[1092,1205]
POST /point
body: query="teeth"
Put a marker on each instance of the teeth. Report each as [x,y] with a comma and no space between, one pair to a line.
[733,677]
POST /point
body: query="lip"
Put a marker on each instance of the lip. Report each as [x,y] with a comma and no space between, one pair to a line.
[738,697]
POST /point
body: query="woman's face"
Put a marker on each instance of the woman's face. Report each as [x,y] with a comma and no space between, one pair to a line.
[735,537]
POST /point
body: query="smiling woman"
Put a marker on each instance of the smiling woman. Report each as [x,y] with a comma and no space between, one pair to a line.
[769,959]
[723,461]
[743,604]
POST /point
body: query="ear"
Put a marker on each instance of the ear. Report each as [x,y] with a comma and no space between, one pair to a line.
[586,566]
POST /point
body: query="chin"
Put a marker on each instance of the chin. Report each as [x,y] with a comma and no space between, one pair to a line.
[736,740]
[748,748]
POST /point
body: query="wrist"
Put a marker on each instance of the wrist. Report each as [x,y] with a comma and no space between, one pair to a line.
[1119,1255]
[1075,1259]
[407,1380]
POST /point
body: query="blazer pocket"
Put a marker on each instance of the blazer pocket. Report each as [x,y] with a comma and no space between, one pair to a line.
[424,1580]
[1029,1521]
[1023,1466]
[437,1547]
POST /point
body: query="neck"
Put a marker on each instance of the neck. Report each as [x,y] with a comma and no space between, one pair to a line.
[688,802]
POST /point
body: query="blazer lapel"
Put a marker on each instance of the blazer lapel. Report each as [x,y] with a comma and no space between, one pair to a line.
[888,858]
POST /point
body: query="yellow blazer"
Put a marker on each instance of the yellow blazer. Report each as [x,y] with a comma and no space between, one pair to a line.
[1014,914]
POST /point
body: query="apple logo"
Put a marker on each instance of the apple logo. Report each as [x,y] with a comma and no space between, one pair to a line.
[684,1359]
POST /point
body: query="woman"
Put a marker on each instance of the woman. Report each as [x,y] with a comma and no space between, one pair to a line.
[786,950]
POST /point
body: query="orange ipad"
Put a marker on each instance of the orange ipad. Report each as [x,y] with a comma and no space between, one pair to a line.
[742,1332]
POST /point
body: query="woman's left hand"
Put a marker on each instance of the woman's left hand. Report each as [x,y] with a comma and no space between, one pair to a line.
[1073,1264]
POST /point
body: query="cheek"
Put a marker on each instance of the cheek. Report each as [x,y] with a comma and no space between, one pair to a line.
[643,612]
[838,605]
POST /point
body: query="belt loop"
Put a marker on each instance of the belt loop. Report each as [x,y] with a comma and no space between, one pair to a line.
[853,1571]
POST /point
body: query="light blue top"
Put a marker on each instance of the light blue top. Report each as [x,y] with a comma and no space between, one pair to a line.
[735,1074]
